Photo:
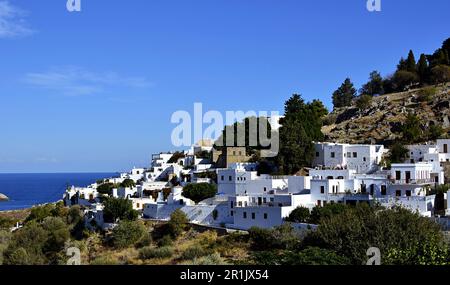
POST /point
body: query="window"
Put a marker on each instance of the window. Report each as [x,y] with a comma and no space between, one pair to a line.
[322,189]
[355,154]
[234,152]
[232,205]
[408,193]
[383,190]
[372,189]
[230,178]
[253,216]
[398,175]
[245,215]
[264,200]
[319,203]
[231,213]
[333,155]
[317,154]
[349,154]
[265,216]
[363,188]
[398,193]
[364,159]
[265,189]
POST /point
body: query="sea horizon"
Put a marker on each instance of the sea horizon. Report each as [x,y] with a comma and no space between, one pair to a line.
[26,190]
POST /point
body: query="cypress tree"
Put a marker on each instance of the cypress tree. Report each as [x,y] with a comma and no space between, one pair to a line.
[422,68]
[344,95]
[411,63]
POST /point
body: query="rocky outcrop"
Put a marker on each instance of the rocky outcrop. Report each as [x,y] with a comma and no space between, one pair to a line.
[3,197]
[381,122]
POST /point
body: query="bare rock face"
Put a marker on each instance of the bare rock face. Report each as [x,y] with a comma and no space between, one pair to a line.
[382,121]
[3,197]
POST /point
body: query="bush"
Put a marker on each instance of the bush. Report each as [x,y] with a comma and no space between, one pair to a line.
[128,233]
[426,94]
[106,188]
[116,209]
[165,241]
[152,252]
[314,256]
[364,102]
[318,213]
[198,192]
[406,236]
[281,237]
[128,183]
[299,215]
[6,223]
[212,259]
[195,251]
[177,223]
[105,260]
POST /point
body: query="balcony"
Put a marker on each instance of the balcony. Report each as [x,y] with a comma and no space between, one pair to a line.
[412,181]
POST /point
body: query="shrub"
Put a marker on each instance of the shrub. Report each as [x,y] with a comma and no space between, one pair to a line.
[128,183]
[198,192]
[318,213]
[426,94]
[128,233]
[212,259]
[408,237]
[106,188]
[281,237]
[195,251]
[165,241]
[118,209]
[152,252]
[364,102]
[177,223]
[105,260]
[299,215]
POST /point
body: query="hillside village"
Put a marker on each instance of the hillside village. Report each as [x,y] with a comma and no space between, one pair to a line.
[341,174]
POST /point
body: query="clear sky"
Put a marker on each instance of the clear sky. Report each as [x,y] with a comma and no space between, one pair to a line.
[95,90]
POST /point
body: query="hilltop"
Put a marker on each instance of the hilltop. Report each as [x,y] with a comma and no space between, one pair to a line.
[381,121]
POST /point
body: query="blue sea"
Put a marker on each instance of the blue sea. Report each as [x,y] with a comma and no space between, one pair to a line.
[27,190]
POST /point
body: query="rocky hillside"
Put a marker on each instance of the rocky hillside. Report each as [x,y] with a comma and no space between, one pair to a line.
[382,120]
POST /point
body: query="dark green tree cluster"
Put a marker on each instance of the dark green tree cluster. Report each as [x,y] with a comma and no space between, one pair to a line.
[343,238]
[427,70]
[128,183]
[301,126]
[117,209]
[253,135]
[198,192]
[344,95]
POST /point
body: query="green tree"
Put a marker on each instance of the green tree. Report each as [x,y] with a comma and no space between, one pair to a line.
[318,108]
[177,223]
[57,235]
[411,65]
[403,80]
[374,86]
[177,155]
[434,132]
[299,215]
[128,183]
[198,192]
[314,256]
[411,130]
[423,69]
[402,65]
[440,74]
[301,126]
[116,209]
[364,101]
[353,231]
[106,188]
[318,213]
[398,153]
[128,233]
[344,95]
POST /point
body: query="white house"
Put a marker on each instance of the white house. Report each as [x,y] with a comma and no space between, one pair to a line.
[362,158]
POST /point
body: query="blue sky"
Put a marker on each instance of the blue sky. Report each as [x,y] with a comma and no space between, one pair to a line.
[95,90]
